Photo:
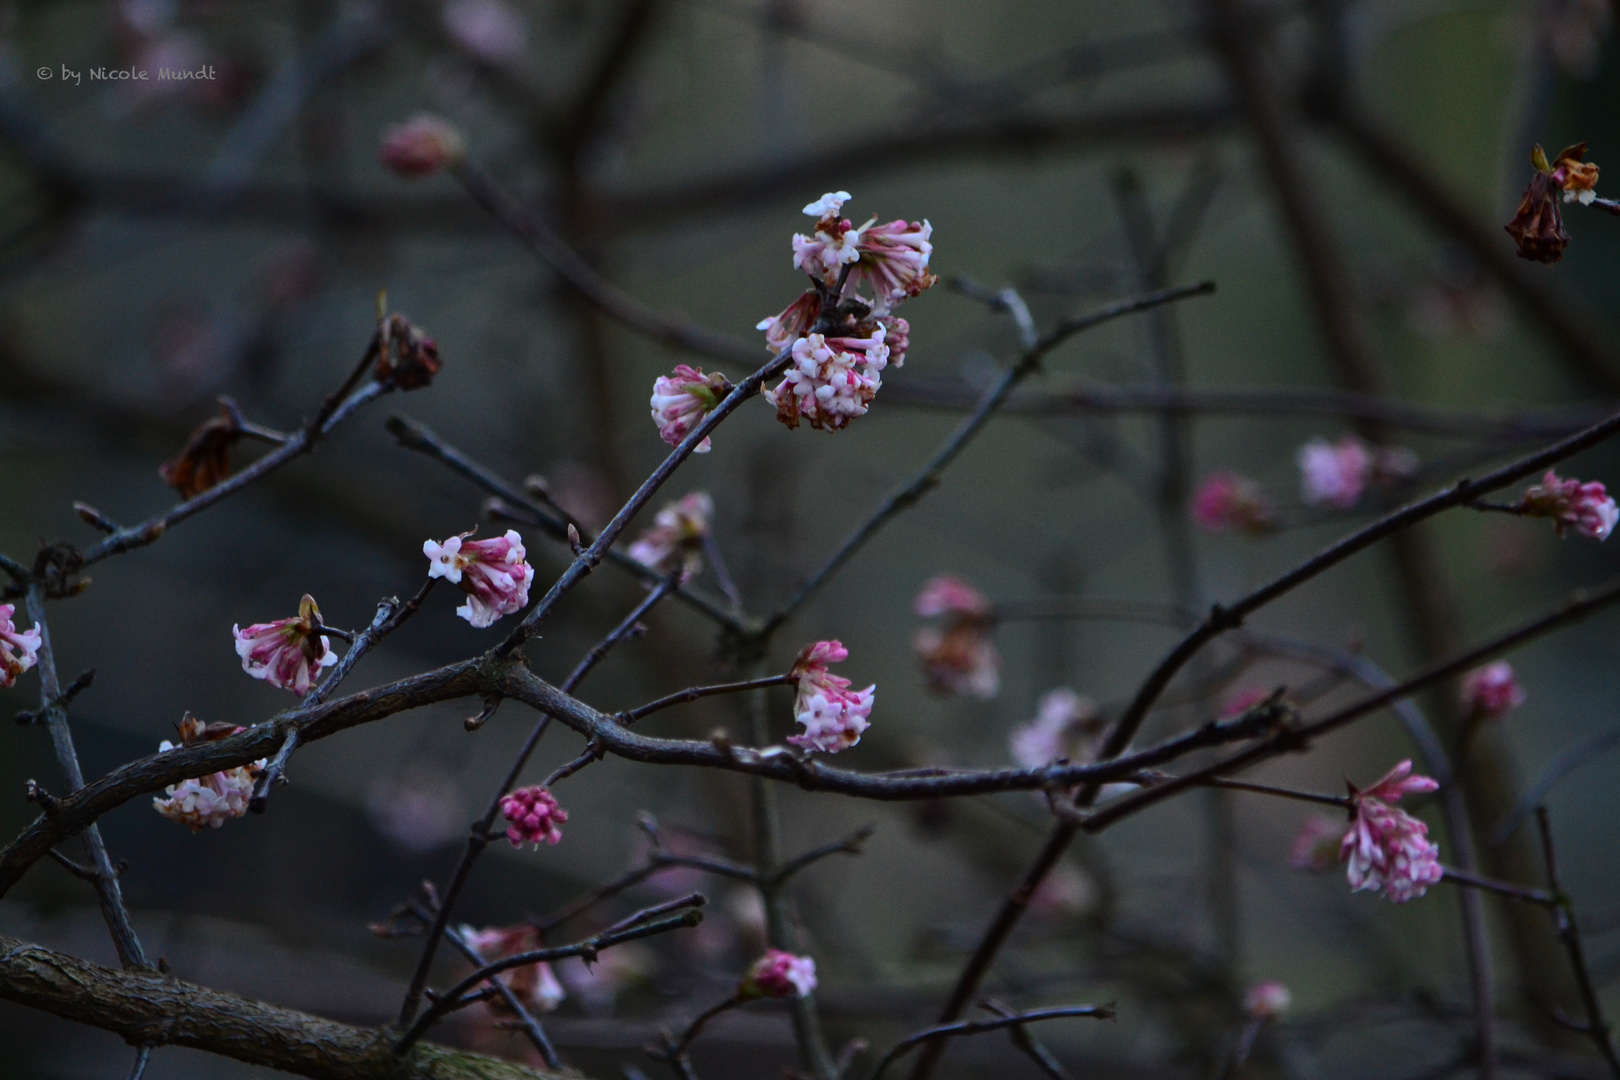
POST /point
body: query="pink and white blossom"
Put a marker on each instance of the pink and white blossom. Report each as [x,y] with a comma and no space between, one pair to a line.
[1388,849]
[288,653]
[1227,502]
[1334,474]
[1490,691]
[491,572]
[19,649]
[833,715]
[945,594]
[779,974]
[831,246]
[681,399]
[1316,847]
[532,816]
[1585,507]
[677,533]
[535,985]
[831,381]
[793,323]
[422,145]
[1267,1000]
[892,261]
[1066,727]
[958,657]
[207,801]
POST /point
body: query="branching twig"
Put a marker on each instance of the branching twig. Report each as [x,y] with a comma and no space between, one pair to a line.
[975,1027]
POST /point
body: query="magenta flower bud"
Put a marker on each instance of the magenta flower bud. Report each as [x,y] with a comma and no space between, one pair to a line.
[1585,507]
[1388,849]
[19,650]
[421,146]
[532,816]
[491,572]
[1227,502]
[288,653]
[1490,691]
[833,715]
[681,399]
[779,974]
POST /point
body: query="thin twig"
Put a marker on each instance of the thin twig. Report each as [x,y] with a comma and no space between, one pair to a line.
[975,1027]
[1596,1027]
[681,697]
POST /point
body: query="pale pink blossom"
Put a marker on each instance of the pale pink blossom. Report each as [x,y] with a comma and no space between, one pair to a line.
[535,985]
[1386,848]
[831,380]
[681,399]
[491,572]
[678,531]
[1490,691]
[828,205]
[1334,474]
[800,317]
[1316,847]
[489,30]
[1585,507]
[19,649]
[958,656]
[532,816]
[1267,1000]
[1065,893]
[1066,727]
[779,974]
[207,801]
[288,653]
[892,260]
[1227,502]
[831,247]
[833,715]
[422,145]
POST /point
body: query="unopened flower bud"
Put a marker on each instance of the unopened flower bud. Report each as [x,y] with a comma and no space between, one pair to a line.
[422,146]
[779,974]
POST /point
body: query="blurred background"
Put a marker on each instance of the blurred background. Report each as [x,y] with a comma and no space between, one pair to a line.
[163,243]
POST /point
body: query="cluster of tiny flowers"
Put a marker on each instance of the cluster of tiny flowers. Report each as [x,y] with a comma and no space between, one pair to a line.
[833,715]
[19,650]
[1572,504]
[1386,848]
[1066,727]
[676,536]
[208,801]
[1537,227]
[831,381]
[958,657]
[288,653]
[1227,502]
[535,985]
[681,399]
[421,146]
[779,974]
[491,572]
[1337,474]
[532,816]
[1490,691]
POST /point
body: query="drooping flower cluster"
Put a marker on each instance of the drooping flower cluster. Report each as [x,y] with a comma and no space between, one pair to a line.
[676,536]
[288,653]
[1585,507]
[681,399]
[19,649]
[861,274]
[779,974]
[206,458]
[1490,691]
[208,801]
[1227,502]
[535,985]
[491,572]
[958,657]
[833,715]
[422,145]
[1066,726]
[532,816]
[1537,227]
[1386,848]
[1337,474]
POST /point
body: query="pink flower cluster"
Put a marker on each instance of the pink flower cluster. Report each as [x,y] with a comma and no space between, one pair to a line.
[681,399]
[532,816]
[779,974]
[208,801]
[890,260]
[491,572]
[833,715]
[288,653]
[831,381]
[19,650]
[1066,726]
[1585,507]
[535,985]
[958,657]
[678,530]
[1386,848]
[1490,691]
[1227,502]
